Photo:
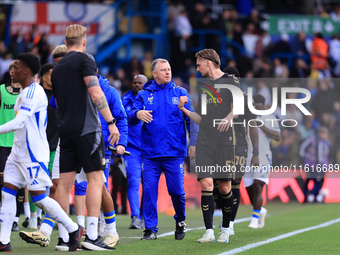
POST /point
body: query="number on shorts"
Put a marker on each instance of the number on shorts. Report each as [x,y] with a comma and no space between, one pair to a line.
[240,160]
[36,171]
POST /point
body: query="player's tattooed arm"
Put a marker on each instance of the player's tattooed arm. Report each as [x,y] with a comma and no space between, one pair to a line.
[91,81]
[100,103]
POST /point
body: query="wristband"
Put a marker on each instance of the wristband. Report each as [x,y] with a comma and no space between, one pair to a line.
[113,121]
[255,152]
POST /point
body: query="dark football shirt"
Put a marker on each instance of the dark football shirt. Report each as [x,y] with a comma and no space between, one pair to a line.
[208,134]
[78,114]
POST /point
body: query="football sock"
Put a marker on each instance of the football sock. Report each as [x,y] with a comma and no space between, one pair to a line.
[227,206]
[81,220]
[55,211]
[27,209]
[47,225]
[8,198]
[236,193]
[207,204]
[110,220]
[92,227]
[217,195]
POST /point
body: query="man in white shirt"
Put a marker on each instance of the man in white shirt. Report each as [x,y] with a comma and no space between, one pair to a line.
[27,163]
[255,178]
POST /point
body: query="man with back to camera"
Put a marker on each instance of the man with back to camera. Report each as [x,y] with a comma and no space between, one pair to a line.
[254,180]
[81,142]
[215,145]
[133,163]
[163,143]
[42,237]
[27,163]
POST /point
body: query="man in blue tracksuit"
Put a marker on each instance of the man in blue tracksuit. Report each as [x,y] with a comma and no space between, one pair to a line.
[163,143]
[133,163]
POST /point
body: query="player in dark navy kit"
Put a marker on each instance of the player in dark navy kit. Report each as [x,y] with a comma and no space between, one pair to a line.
[215,145]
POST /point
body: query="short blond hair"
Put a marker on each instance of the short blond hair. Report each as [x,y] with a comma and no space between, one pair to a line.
[75,34]
[11,65]
[59,51]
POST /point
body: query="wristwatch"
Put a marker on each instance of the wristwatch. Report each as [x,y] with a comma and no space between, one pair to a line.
[113,121]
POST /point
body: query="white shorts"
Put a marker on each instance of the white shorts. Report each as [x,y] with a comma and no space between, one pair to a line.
[262,173]
[81,177]
[34,175]
[55,169]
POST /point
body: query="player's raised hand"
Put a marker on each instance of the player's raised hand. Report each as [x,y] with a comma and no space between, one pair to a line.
[182,101]
[114,134]
[144,115]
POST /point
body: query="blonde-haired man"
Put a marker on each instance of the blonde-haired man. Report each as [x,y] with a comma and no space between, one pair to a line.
[81,142]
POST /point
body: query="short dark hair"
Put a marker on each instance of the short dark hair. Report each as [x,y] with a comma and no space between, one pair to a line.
[45,69]
[259,99]
[31,61]
[232,70]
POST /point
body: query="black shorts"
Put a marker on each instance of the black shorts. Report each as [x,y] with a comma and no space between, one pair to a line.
[241,154]
[86,152]
[215,161]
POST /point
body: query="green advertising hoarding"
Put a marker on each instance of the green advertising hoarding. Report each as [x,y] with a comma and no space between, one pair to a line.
[279,24]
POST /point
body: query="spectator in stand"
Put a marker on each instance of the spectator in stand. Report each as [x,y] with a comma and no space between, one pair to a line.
[174,9]
[263,90]
[33,37]
[2,49]
[225,23]
[43,48]
[253,19]
[4,64]
[298,45]
[237,37]
[260,44]
[199,19]
[306,129]
[281,70]
[334,53]
[300,70]
[121,83]
[336,112]
[319,52]
[335,14]
[147,64]
[133,68]
[18,43]
[324,99]
[265,71]
[181,59]
[282,47]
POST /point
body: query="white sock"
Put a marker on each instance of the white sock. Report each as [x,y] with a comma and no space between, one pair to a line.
[210,230]
[9,206]
[81,220]
[39,211]
[111,228]
[16,219]
[63,232]
[231,224]
[101,217]
[46,229]
[54,210]
[27,209]
[92,227]
[33,215]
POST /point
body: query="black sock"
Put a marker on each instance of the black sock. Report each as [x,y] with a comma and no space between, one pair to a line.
[20,201]
[217,196]
[235,188]
[207,204]
[227,207]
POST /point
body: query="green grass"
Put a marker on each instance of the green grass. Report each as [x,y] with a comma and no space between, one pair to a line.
[283,218]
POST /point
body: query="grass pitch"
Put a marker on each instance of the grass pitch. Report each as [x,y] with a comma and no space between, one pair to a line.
[282,219]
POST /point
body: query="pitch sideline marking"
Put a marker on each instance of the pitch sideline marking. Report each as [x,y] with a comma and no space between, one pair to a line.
[191,229]
[283,236]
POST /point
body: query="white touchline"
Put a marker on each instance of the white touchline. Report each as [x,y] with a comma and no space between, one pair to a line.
[191,229]
[253,245]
